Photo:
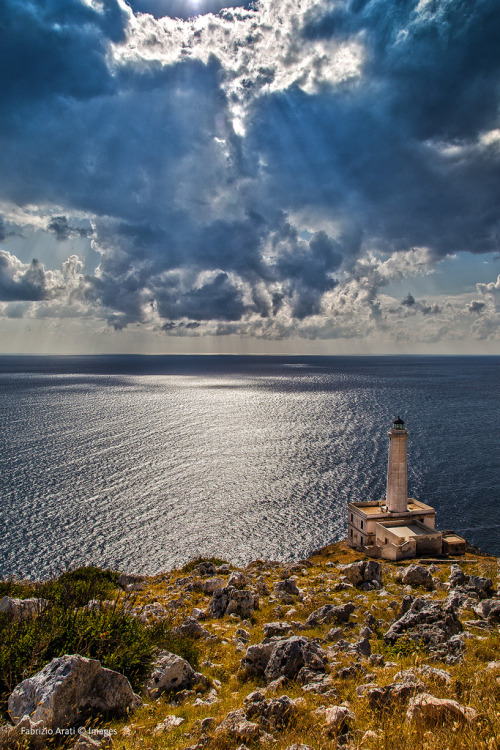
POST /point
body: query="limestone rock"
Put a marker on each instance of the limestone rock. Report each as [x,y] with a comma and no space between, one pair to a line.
[170,672]
[339,720]
[417,575]
[168,723]
[68,690]
[287,586]
[441,676]
[277,628]
[457,577]
[150,613]
[299,747]
[22,609]
[191,627]
[237,726]
[489,609]
[239,580]
[289,656]
[450,651]
[395,693]
[228,600]
[261,586]
[316,682]
[15,736]
[363,571]
[205,568]
[425,621]
[131,582]
[275,714]
[430,710]
[330,613]
[256,659]
[211,585]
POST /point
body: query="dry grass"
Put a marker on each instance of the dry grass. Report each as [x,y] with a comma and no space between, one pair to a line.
[472,683]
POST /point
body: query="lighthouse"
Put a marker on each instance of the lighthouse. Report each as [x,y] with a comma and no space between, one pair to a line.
[395,527]
[397,480]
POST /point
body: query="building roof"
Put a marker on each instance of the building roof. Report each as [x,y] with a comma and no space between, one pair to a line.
[409,530]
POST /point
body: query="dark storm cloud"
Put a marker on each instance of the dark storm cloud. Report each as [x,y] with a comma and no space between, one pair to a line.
[55,48]
[199,220]
[475,306]
[21,283]
[63,231]
[217,299]
[408,301]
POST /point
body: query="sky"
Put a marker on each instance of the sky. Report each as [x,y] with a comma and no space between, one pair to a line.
[277,176]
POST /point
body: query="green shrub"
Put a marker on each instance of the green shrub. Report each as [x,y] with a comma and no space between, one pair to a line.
[16,589]
[77,587]
[404,646]
[120,641]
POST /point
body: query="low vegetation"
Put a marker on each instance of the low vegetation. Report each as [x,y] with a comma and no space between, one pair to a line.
[122,642]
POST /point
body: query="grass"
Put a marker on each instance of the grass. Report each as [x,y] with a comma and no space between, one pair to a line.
[107,633]
[472,683]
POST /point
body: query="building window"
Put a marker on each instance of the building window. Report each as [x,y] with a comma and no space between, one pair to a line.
[386,541]
[361,524]
[352,517]
[350,532]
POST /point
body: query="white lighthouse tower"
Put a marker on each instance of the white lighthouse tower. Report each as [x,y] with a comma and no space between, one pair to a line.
[397,466]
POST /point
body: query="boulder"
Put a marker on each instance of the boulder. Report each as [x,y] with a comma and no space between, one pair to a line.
[363,571]
[287,586]
[170,672]
[430,710]
[489,609]
[275,714]
[483,587]
[256,659]
[441,676]
[16,736]
[417,575]
[242,603]
[228,600]
[191,627]
[462,582]
[316,682]
[289,656]
[457,577]
[396,693]
[150,613]
[339,720]
[277,628]
[239,580]
[211,585]
[205,568]
[131,582]
[22,609]
[237,726]
[450,651]
[425,621]
[70,689]
[330,613]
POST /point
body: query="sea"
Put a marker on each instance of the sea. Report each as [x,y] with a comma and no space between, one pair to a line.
[141,463]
